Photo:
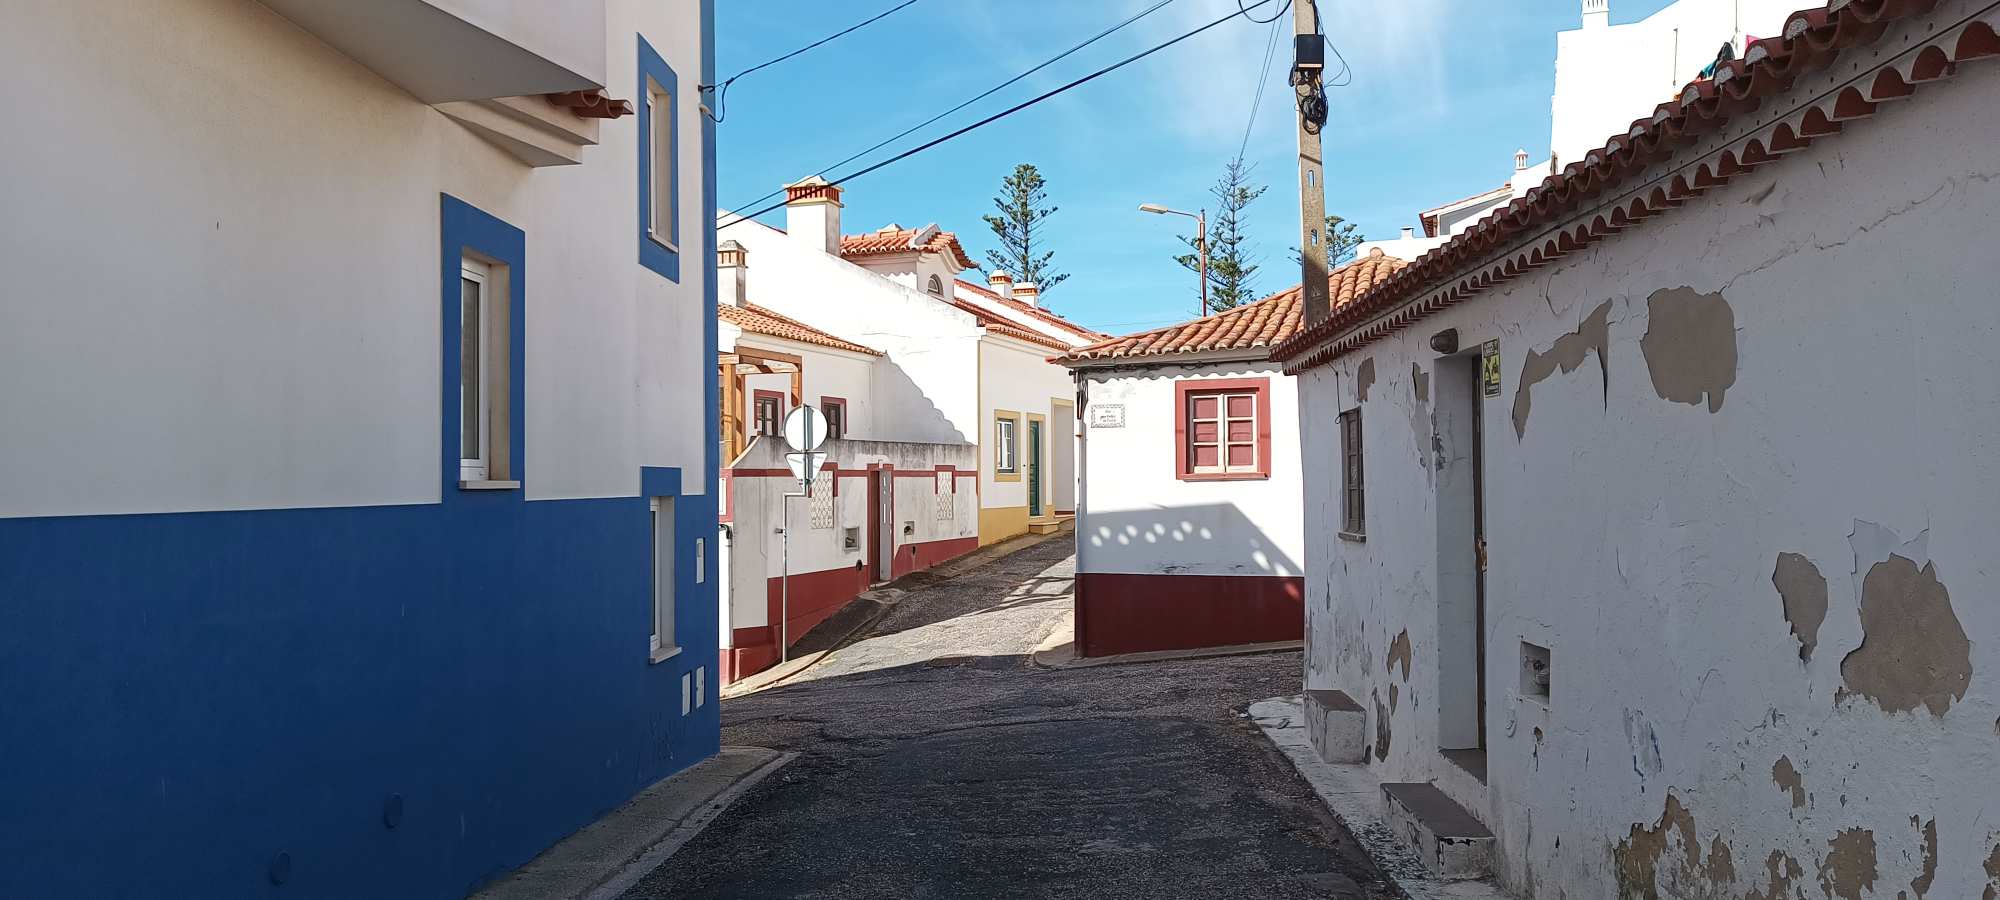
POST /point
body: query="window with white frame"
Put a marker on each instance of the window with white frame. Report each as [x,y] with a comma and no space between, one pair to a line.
[1003,446]
[475,401]
[662,224]
[663,644]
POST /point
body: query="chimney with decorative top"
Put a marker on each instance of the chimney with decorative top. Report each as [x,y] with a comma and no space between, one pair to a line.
[1001,283]
[731,270]
[1028,292]
[812,213]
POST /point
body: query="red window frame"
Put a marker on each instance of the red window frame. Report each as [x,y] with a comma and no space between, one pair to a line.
[776,424]
[835,411]
[1186,392]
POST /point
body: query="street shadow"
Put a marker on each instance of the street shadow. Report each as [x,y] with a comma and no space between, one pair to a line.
[1200,539]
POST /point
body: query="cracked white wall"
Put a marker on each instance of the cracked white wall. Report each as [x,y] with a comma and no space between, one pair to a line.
[1636,537]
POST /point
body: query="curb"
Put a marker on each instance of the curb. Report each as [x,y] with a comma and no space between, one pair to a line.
[608,856]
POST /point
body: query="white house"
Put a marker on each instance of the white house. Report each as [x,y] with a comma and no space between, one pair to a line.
[1189,531]
[963,364]
[1663,532]
[882,507]
[355,526]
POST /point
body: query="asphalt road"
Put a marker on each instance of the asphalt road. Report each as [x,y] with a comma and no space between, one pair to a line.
[938,762]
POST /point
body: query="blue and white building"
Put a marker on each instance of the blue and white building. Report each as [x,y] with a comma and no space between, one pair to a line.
[358,437]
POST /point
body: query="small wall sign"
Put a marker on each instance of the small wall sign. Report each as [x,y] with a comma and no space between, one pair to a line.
[1107,415]
[1489,368]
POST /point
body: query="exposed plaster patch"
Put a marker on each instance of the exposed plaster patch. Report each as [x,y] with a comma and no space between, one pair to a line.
[1382,734]
[1913,649]
[1567,353]
[1803,590]
[1364,378]
[1420,383]
[1992,875]
[1849,867]
[1922,883]
[1690,346]
[1783,871]
[1399,651]
[1638,858]
[1393,694]
[1645,745]
[1789,779]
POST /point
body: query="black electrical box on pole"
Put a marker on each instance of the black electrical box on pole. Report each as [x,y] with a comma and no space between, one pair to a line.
[1308,64]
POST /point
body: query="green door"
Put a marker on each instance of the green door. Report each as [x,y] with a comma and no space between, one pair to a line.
[1034,468]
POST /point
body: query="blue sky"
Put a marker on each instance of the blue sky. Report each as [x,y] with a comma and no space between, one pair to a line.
[1443,93]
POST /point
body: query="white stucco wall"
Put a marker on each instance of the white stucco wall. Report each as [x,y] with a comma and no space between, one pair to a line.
[824,372]
[756,550]
[1637,537]
[217,350]
[1017,376]
[1606,76]
[928,389]
[1138,517]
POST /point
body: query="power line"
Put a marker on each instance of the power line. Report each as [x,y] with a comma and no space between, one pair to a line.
[989,92]
[1263,78]
[722,90]
[1024,104]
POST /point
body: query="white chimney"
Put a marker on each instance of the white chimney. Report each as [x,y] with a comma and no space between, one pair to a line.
[1001,283]
[1409,234]
[812,213]
[731,271]
[1028,292]
[1520,160]
[1596,13]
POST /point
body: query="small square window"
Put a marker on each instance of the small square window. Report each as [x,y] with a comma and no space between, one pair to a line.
[1003,446]
[768,411]
[834,410]
[1223,429]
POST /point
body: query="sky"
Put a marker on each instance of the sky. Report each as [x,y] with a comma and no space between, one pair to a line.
[1441,95]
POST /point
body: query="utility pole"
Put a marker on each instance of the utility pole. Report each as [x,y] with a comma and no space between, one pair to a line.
[1308,64]
[1201,244]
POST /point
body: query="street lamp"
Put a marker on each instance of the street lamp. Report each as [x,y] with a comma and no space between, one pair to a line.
[1200,242]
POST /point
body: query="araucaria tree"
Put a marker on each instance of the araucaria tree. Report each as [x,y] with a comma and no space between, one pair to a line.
[1229,265]
[1018,229]
[1341,237]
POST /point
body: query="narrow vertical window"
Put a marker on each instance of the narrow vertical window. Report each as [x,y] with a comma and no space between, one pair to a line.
[474,401]
[661,222]
[663,644]
[1003,446]
[1354,517]
[768,410]
[835,411]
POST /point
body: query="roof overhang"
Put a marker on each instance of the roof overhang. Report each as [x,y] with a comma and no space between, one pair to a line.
[1169,360]
[446,50]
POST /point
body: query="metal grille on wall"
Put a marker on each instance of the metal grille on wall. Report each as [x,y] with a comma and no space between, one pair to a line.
[947,496]
[822,499]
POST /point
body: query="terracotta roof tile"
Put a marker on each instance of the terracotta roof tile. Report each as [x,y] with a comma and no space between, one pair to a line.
[996,324]
[1036,312]
[1263,323]
[898,240]
[1522,235]
[758,320]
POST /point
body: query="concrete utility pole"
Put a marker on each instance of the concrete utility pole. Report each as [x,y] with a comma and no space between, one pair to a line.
[1308,63]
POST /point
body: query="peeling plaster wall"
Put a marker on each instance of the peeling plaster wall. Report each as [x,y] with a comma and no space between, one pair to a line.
[1635,532]
[1139,518]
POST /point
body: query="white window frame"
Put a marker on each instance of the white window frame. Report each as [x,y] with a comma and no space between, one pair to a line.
[1004,461]
[659,118]
[662,513]
[1222,442]
[476,464]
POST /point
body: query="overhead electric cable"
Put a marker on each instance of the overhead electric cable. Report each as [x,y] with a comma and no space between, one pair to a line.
[722,89]
[988,93]
[1023,104]
[1263,78]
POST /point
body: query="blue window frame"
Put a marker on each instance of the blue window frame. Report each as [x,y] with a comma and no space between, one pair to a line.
[477,246]
[659,164]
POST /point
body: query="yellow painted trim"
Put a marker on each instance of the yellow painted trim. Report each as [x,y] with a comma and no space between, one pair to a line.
[1001,522]
[994,464]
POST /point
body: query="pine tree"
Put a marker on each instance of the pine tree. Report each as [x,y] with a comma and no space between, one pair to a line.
[1229,265]
[1017,229]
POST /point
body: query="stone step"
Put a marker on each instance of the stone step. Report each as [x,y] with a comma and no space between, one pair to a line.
[1449,841]
[1337,726]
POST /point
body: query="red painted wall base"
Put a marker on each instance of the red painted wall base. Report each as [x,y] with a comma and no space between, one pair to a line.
[815,597]
[1137,613]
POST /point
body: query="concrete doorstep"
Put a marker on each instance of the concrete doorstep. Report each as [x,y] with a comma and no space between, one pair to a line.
[1356,798]
[610,855]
